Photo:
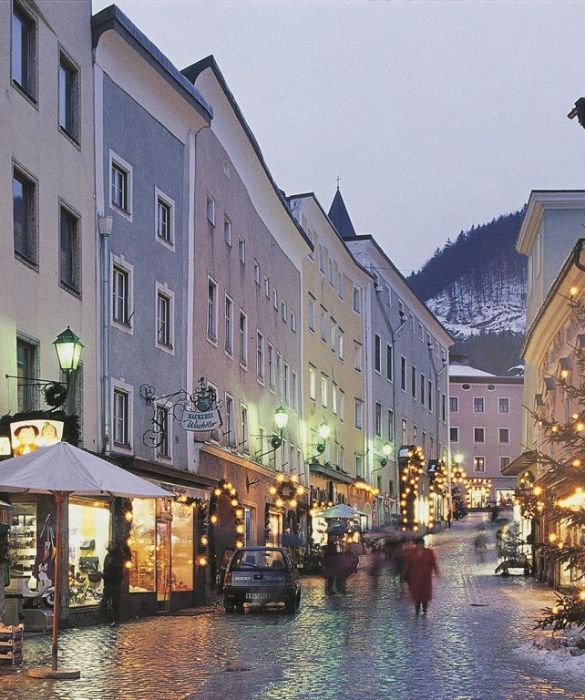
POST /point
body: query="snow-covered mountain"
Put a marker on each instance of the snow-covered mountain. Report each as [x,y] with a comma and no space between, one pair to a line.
[476,286]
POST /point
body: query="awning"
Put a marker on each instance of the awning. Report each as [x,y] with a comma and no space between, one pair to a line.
[520,464]
[331,473]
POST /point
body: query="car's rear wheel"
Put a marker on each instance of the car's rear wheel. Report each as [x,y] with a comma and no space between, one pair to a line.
[293,603]
[228,607]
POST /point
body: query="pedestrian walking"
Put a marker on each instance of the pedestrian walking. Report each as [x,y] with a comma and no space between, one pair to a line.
[419,566]
[481,544]
[375,568]
[113,575]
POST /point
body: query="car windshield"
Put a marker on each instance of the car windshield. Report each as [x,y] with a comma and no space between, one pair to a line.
[259,559]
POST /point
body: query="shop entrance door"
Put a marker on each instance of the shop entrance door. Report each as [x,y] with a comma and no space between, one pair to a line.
[163,565]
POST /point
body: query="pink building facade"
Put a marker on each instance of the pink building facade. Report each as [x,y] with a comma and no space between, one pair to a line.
[485,433]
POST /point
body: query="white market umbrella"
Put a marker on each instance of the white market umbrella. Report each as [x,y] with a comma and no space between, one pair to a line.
[340,511]
[62,470]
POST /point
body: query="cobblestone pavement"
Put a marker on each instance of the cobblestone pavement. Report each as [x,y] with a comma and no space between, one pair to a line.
[365,645]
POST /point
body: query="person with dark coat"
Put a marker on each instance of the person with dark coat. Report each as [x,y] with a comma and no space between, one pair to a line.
[113,575]
[419,566]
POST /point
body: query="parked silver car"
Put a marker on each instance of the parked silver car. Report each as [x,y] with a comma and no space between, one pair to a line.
[261,576]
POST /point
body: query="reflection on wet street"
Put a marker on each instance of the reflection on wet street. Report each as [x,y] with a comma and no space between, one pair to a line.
[367,644]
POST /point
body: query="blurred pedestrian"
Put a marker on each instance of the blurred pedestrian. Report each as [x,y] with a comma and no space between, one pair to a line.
[419,566]
[481,544]
[375,568]
[113,575]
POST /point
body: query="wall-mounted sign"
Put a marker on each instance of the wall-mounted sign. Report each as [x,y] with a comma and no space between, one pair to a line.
[197,421]
[28,435]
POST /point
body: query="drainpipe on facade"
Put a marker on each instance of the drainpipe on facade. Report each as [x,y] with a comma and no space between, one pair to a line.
[393,336]
[437,375]
[105,229]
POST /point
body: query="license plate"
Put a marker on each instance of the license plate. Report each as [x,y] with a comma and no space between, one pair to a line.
[257,596]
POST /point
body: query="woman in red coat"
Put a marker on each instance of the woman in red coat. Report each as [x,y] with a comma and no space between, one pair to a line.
[419,565]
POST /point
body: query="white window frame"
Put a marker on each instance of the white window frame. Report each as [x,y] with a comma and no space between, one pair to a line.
[378,419]
[165,459]
[503,398]
[210,209]
[284,310]
[30,91]
[479,399]
[227,231]
[286,382]
[160,196]
[475,440]
[243,339]
[389,362]
[311,315]
[256,273]
[260,356]
[340,283]
[358,414]
[312,383]
[356,296]
[213,339]
[121,263]
[456,429]
[161,289]
[275,299]
[267,286]
[123,165]
[231,436]
[271,366]
[323,324]
[403,373]
[294,390]
[120,385]
[228,325]
[242,250]
[244,421]
[503,442]
[475,460]
[453,401]
[293,322]
[377,354]
[341,335]
[324,389]
[341,405]
[69,64]
[358,356]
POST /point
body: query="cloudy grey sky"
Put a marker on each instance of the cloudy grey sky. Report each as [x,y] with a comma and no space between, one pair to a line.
[435,115]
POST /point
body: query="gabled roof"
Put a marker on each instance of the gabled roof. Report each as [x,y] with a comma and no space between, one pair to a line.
[340,217]
[112,18]
[191,73]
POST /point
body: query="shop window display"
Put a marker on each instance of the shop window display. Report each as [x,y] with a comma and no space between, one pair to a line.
[142,546]
[89,536]
[23,541]
[182,547]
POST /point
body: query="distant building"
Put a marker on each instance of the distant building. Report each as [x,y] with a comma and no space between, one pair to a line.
[485,412]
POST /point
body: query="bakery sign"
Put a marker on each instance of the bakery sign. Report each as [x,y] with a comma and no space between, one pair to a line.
[205,415]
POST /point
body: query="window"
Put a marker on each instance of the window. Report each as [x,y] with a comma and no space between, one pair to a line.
[341,405]
[227,237]
[403,373]
[378,419]
[389,363]
[321,258]
[479,464]
[414,434]
[423,383]
[358,414]
[243,333]
[257,273]
[311,313]
[286,382]
[293,322]
[324,325]
[69,251]
[230,425]
[227,170]
[23,50]
[478,404]
[429,395]
[413,382]
[242,250]
[229,325]
[271,367]
[454,434]
[312,383]
[404,432]
[341,345]
[357,301]
[504,435]
[358,465]
[453,404]
[121,295]
[244,426]
[390,425]
[210,210]
[479,435]
[330,272]
[504,461]
[334,404]
[503,405]
[284,311]
[211,309]
[340,284]
[163,449]
[121,418]
[165,218]
[333,327]
[357,356]
[26,370]
[68,98]
[275,298]
[120,190]
[294,387]
[24,216]
[377,354]
[443,408]
[164,320]
[259,356]
[324,391]
[420,331]
[266,286]
[466,387]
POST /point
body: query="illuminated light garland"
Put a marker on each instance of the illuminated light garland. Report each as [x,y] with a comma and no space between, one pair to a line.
[287,490]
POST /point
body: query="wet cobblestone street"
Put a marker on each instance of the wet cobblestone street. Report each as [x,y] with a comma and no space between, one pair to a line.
[365,645]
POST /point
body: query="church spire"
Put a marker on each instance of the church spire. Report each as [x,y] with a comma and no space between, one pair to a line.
[339,216]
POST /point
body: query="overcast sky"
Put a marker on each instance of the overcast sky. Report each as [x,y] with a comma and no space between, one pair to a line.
[435,115]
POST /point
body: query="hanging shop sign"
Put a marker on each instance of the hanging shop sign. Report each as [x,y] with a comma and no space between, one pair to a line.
[26,436]
[199,422]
